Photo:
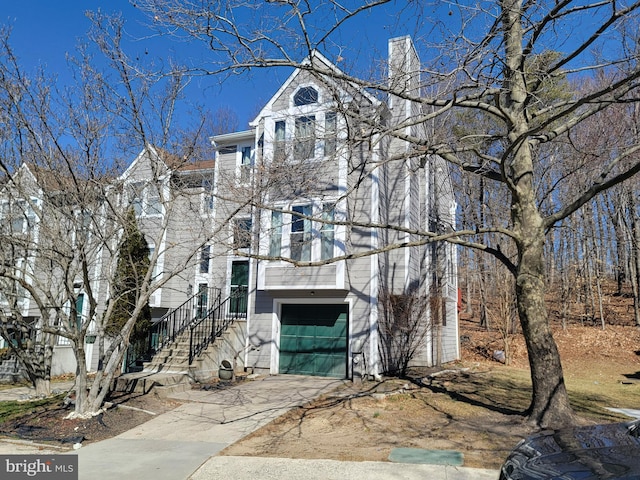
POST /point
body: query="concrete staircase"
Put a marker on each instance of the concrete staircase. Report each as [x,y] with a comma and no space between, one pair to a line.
[173,358]
[162,383]
[169,370]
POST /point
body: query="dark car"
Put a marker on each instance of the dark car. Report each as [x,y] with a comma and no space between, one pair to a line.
[609,451]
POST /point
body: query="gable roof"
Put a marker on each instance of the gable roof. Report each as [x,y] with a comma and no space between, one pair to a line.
[195,166]
[169,163]
[29,175]
[320,63]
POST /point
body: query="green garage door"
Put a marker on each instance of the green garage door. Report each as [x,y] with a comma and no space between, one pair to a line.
[313,340]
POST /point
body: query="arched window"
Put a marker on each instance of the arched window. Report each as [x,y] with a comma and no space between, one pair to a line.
[305,96]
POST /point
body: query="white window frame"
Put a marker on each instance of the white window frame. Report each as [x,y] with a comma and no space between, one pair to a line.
[140,196]
[304,237]
[280,139]
[330,134]
[245,163]
[304,137]
[208,202]
[204,265]
[27,215]
[327,231]
[305,101]
[298,140]
[235,229]
[280,227]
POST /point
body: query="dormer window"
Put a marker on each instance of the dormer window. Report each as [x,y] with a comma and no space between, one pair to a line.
[305,96]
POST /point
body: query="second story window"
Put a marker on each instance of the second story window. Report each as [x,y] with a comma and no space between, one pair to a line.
[305,138]
[154,206]
[19,215]
[327,232]
[136,193]
[298,236]
[205,255]
[208,199]
[245,165]
[300,239]
[275,243]
[145,199]
[330,131]
[242,234]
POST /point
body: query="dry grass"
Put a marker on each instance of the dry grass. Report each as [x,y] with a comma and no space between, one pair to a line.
[476,409]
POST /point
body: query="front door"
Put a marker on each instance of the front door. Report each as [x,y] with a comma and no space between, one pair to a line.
[239,285]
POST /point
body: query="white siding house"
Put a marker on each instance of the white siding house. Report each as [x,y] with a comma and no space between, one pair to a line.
[321,301]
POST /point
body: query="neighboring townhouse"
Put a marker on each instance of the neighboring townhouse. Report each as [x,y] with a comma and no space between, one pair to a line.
[44,218]
[19,199]
[41,244]
[173,202]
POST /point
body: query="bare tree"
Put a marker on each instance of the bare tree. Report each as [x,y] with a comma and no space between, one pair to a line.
[486,68]
[403,331]
[505,312]
[64,152]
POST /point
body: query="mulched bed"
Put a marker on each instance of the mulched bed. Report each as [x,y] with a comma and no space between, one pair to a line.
[49,425]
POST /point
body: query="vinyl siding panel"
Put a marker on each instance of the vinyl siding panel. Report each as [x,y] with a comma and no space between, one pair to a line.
[305,277]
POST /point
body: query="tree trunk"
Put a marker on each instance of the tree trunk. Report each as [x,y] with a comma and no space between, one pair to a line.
[484,316]
[81,381]
[550,401]
[635,258]
[42,386]
[468,308]
[37,363]
[621,257]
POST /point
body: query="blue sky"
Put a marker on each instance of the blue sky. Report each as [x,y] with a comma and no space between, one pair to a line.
[44,31]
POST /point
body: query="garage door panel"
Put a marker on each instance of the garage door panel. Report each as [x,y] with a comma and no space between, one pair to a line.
[332,366]
[313,339]
[288,343]
[306,330]
[334,344]
[287,362]
[338,370]
[306,344]
[299,364]
[324,363]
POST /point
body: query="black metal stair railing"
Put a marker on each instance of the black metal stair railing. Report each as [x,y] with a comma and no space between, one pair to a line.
[173,323]
[220,316]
